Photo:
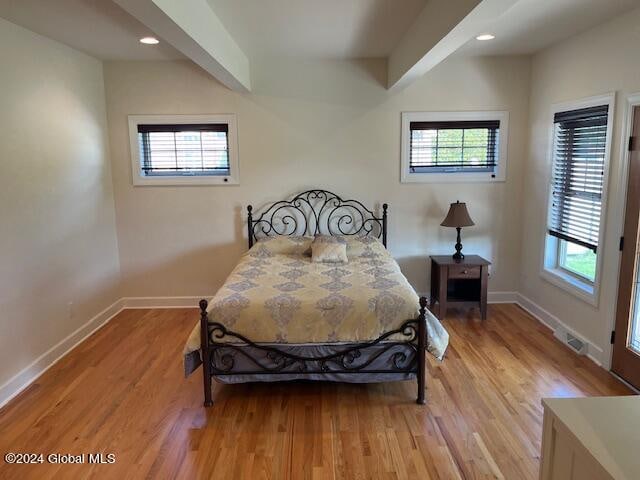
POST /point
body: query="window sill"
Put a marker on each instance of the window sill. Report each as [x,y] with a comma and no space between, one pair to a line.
[583,290]
[169,181]
[475,177]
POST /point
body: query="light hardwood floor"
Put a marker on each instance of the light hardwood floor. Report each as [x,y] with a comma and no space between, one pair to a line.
[122,391]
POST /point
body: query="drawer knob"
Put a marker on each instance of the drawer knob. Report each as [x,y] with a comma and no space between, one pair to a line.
[464,272]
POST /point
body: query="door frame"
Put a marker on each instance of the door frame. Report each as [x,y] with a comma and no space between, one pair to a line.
[631,101]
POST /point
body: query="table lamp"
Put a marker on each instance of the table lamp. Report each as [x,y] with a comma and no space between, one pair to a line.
[458,217]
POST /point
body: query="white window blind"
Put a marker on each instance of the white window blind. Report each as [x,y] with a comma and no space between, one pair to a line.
[579,152]
[184,149]
[453,146]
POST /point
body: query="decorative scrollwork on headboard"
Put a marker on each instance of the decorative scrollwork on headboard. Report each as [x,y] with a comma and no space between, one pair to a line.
[316,212]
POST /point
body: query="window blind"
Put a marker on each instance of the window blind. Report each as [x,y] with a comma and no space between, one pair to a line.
[580,138]
[453,146]
[184,149]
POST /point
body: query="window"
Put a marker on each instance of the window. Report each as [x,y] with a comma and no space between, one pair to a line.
[176,150]
[580,152]
[200,149]
[454,146]
[577,259]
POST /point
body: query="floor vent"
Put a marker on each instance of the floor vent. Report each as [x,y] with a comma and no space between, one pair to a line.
[578,345]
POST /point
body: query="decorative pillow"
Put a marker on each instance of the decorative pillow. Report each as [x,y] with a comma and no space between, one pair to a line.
[284,244]
[328,249]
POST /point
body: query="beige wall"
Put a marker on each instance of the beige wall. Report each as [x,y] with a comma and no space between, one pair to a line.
[58,241]
[325,124]
[602,60]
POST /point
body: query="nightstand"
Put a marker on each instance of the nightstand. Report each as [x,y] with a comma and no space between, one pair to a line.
[459,283]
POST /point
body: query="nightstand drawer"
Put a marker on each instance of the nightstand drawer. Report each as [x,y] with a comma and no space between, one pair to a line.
[462,271]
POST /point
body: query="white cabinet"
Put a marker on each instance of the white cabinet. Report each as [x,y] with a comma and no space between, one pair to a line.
[591,438]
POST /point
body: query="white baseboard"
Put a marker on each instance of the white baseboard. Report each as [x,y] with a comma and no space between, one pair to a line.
[552,322]
[32,372]
[502,297]
[163,302]
[559,328]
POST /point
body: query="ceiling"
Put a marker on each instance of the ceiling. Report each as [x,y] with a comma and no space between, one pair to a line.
[305,28]
[531,25]
[97,27]
[317,29]
[225,36]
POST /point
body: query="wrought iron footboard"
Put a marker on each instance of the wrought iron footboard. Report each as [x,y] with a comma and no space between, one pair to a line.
[218,357]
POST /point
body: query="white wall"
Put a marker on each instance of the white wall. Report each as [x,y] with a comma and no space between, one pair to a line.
[602,60]
[58,242]
[326,124]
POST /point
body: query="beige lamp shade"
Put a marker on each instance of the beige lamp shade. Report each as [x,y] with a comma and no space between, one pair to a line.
[458,216]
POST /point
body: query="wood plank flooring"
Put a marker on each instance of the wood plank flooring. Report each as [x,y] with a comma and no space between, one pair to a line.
[122,391]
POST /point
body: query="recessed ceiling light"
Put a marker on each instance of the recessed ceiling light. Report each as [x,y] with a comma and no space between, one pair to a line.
[149,40]
[485,36]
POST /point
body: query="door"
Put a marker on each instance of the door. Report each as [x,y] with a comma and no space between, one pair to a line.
[626,347]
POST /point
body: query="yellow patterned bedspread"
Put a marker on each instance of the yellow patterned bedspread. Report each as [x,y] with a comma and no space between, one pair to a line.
[276,297]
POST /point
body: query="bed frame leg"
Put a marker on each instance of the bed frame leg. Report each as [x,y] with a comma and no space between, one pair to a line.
[422,347]
[205,351]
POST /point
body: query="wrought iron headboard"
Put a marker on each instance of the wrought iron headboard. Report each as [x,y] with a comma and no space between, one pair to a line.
[317,212]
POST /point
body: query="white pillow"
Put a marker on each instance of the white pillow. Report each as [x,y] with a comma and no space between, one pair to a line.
[326,249]
[285,244]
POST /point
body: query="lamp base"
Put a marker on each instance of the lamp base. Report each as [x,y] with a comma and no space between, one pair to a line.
[458,255]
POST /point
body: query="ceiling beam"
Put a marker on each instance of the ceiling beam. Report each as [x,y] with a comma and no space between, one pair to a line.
[194,29]
[441,28]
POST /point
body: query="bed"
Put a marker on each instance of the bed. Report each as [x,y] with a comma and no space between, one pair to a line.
[280,316]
